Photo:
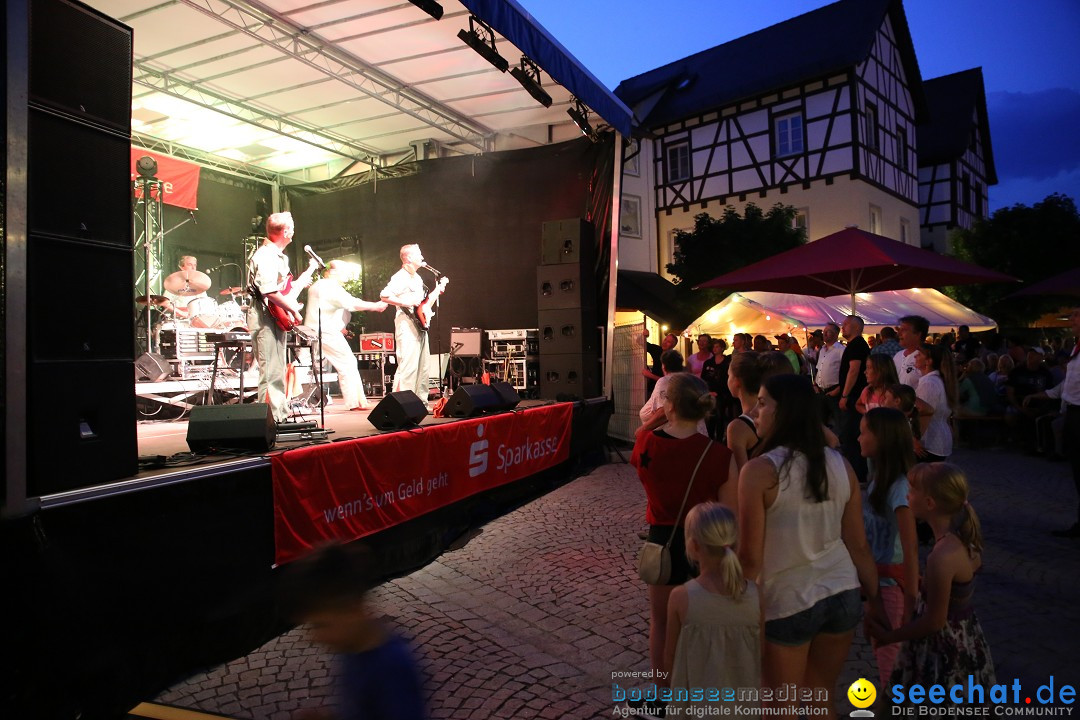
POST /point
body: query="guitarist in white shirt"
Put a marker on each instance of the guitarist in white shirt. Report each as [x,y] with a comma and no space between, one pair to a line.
[269,272]
[406,291]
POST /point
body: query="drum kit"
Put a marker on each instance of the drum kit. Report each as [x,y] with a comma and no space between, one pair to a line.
[202,312]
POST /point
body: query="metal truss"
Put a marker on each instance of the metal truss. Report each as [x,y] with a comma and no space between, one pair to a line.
[275,30]
[193,92]
[230,167]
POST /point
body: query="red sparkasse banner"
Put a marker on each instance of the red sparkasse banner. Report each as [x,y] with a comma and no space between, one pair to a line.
[180,179]
[344,491]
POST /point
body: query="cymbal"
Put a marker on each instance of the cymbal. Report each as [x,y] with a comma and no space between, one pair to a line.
[151,299]
[233,291]
[187,282]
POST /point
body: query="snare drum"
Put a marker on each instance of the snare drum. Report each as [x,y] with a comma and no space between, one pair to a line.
[229,313]
[203,312]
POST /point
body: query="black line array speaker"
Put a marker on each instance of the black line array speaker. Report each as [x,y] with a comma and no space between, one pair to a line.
[559,287]
[567,241]
[81,375]
[569,376]
[231,427]
[398,410]
[571,330]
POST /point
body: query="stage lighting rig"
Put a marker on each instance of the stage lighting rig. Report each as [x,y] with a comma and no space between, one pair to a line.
[147,167]
[484,45]
[528,74]
[431,7]
[580,115]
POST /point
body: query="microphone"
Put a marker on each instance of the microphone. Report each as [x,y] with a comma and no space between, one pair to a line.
[313,256]
[428,267]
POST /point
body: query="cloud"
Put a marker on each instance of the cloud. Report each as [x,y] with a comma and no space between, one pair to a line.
[1035,135]
[1028,191]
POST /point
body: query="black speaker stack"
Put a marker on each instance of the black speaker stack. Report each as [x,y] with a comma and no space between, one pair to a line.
[566,306]
[80,419]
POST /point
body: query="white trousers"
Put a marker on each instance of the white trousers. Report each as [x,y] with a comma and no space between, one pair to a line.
[336,349]
[411,348]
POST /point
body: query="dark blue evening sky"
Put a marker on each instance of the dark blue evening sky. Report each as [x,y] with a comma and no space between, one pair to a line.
[1029,51]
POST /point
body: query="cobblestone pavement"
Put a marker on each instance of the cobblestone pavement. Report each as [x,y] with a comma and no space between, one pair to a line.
[531,618]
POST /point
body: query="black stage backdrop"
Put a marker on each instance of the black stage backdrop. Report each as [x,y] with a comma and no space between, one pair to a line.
[478,219]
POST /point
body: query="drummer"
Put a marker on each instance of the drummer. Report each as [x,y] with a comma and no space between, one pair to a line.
[189,265]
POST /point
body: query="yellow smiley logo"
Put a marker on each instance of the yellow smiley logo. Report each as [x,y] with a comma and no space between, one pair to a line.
[862,693]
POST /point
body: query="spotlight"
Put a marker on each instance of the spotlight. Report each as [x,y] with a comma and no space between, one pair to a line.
[580,115]
[431,7]
[484,45]
[147,167]
[528,74]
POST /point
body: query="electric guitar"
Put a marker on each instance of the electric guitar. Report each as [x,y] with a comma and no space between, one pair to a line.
[281,316]
[421,315]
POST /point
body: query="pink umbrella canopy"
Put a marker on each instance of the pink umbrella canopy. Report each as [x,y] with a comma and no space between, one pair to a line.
[1067,283]
[853,261]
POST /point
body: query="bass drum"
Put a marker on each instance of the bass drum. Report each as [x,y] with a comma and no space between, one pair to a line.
[203,312]
[231,314]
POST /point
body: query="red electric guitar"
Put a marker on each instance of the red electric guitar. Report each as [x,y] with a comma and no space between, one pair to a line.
[423,312]
[281,316]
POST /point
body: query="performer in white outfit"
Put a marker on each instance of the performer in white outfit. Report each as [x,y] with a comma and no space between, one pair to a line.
[406,291]
[329,302]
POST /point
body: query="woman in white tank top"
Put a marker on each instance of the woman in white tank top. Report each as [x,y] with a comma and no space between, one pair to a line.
[802,539]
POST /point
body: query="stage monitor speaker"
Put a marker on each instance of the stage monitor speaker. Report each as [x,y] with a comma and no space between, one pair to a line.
[151,367]
[560,287]
[571,330]
[398,410]
[231,427]
[508,396]
[472,400]
[567,241]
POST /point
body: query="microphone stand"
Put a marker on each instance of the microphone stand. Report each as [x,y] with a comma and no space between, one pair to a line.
[322,388]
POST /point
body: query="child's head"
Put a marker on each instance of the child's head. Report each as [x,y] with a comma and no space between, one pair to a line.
[711,534]
[325,589]
[901,397]
[885,436]
[880,371]
[942,489]
[689,396]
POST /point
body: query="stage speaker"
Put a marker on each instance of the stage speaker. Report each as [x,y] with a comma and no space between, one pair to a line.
[473,342]
[151,367]
[569,376]
[472,400]
[560,287]
[570,330]
[398,410]
[231,427]
[508,396]
[567,241]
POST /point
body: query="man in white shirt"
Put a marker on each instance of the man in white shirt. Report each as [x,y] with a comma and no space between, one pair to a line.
[406,291]
[1068,392]
[827,377]
[328,306]
[913,331]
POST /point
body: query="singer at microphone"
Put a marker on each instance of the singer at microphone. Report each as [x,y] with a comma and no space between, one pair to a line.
[313,256]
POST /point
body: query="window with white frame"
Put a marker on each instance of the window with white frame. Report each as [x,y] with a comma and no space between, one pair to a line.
[789,134]
[871,126]
[905,231]
[875,219]
[678,162]
[801,220]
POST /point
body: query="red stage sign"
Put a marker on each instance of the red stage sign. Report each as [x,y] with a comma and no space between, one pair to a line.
[343,491]
[180,180]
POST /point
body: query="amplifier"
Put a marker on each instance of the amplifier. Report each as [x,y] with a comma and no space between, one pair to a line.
[377,342]
[467,342]
[508,334]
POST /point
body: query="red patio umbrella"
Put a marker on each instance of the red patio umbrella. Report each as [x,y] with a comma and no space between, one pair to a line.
[853,261]
[1067,283]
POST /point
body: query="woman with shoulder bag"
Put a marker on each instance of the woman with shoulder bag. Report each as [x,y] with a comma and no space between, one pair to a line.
[679,468]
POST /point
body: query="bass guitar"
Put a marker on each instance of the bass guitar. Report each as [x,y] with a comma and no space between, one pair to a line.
[422,314]
[291,290]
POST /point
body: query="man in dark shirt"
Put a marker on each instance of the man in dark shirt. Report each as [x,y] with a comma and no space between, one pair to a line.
[654,370]
[1029,379]
[852,382]
[965,345]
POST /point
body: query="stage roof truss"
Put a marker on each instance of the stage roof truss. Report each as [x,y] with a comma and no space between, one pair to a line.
[309,90]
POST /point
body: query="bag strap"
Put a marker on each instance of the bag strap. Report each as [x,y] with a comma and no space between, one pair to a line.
[693,475]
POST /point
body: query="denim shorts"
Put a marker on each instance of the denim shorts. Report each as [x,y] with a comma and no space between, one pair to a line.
[836,614]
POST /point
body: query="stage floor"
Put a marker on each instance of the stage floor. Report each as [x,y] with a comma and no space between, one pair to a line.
[169,437]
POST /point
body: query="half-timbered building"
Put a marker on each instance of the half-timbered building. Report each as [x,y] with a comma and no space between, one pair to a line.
[956,160]
[818,112]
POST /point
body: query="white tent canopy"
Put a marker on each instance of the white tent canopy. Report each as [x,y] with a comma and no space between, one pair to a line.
[768,313]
